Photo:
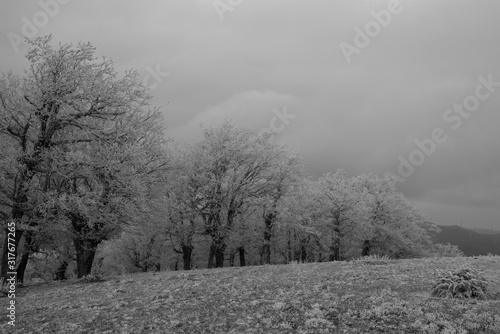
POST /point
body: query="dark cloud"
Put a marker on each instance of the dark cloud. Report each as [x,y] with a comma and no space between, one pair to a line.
[270,55]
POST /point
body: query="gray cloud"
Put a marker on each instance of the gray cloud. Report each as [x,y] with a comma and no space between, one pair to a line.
[270,54]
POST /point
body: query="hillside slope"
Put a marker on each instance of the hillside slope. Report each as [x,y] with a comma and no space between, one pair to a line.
[335,297]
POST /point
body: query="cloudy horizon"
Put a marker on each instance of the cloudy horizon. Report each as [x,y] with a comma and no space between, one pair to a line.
[410,88]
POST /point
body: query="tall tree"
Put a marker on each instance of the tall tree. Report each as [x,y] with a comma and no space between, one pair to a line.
[69,110]
[179,205]
[297,226]
[394,226]
[286,172]
[231,168]
[340,210]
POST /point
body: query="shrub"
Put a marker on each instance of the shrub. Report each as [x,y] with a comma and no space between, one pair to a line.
[446,250]
[465,284]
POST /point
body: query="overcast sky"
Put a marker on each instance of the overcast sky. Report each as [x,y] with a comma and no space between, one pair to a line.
[352,84]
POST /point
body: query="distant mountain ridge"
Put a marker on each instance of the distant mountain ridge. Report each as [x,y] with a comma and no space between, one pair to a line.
[483,230]
[470,241]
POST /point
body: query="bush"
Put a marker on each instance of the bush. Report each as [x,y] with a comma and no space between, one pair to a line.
[465,284]
[446,250]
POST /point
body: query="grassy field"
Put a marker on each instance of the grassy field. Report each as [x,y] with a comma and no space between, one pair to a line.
[339,297]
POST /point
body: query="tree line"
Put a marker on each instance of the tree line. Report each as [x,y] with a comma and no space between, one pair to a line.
[85,164]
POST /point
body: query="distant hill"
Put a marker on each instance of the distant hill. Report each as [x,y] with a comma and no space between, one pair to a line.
[484,231]
[471,242]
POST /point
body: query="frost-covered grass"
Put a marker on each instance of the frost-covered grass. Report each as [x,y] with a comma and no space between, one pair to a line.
[342,297]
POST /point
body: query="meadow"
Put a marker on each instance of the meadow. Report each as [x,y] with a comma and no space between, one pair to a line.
[370,296]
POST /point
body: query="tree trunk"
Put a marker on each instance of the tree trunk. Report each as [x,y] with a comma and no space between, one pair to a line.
[296,256]
[367,245]
[289,246]
[303,253]
[5,252]
[266,247]
[266,253]
[219,255]
[187,250]
[297,248]
[243,262]
[231,259]
[85,253]
[334,253]
[21,267]
[61,271]
[23,177]
[335,245]
[211,256]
